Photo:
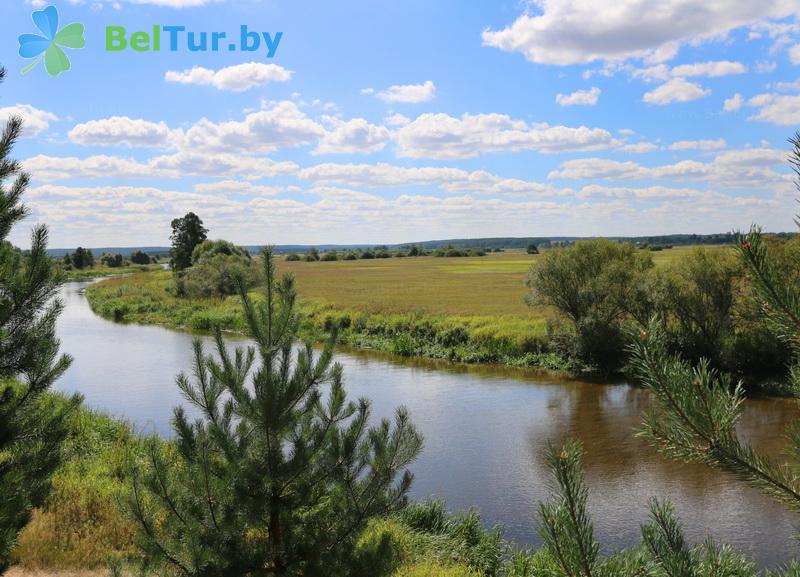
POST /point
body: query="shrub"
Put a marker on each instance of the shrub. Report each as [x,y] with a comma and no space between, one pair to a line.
[330,256]
[292,257]
[596,284]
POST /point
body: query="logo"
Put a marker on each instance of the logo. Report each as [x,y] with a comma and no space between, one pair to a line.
[48,47]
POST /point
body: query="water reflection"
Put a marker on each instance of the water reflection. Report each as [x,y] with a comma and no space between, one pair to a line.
[485,428]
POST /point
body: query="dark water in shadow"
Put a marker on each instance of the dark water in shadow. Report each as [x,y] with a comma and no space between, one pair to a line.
[484,429]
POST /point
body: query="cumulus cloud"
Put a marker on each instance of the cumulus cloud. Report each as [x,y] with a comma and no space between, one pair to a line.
[35,121]
[733,103]
[445,136]
[409,93]
[565,32]
[124,131]
[794,54]
[352,136]
[639,147]
[735,168]
[237,188]
[781,110]
[711,69]
[579,97]
[280,125]
[698,144]
[54,168]
[236,78]
[448,179]
[675,90]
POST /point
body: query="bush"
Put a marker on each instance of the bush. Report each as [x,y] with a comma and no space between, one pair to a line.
[216,267]
[312,255]
[292,257]
[350,256]
[597,285]
[140,257]
[330,256]
[367,254]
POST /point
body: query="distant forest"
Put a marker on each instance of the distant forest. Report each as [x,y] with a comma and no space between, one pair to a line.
[486,243]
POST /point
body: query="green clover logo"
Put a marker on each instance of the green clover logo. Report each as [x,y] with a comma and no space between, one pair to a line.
[49,45]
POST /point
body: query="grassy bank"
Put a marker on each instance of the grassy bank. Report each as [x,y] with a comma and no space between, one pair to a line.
[104,271]
[461,309]
[81,530]
[466,310]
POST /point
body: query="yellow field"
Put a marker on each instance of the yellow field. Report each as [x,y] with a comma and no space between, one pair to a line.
[492,285]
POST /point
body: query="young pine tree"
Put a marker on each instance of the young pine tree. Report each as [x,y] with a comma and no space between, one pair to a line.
[32,426]
[280,473]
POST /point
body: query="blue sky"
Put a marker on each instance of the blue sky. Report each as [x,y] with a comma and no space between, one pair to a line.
[388,122]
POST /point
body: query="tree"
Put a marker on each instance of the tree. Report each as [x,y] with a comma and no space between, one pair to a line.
[112,260]
[140,257]
[531,249]
[414,250]
[82,258]
[312,255]
[187,233]
[597,285]
[217,266]
[275,477]
[32,425]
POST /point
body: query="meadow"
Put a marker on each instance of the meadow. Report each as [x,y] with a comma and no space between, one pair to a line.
[469,309]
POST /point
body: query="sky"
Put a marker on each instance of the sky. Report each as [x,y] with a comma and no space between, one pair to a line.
[388,122]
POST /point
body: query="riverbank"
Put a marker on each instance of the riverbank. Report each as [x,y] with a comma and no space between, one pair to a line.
[82,531]
[519,338]
[105,271]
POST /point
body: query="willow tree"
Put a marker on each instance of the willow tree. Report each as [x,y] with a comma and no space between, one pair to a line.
[280,473]
[32,425]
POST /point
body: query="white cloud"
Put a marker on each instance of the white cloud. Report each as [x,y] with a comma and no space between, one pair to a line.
[353,136]
[711,69]
[236,78]
[735,168]
[451,180]
[237,188]
[52,168]
[639,147]
[675,90]
[698,144]
[410,93]
[579,97]
[34,120]
[397,119]
[794,54]
[445,136]
[776,109]
[733,103]
[124,131]
[567,32]
[280,125]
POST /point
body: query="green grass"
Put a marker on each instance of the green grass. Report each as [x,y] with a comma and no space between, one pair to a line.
[465,309]
[459,309]
[104,271]
[81,530]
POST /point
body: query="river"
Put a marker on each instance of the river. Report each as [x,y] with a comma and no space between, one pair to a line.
[484,427]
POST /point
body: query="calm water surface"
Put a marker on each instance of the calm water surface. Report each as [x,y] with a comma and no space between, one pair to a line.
[484,429]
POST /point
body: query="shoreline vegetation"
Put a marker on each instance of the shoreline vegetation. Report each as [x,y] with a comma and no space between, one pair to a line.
[478,310]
